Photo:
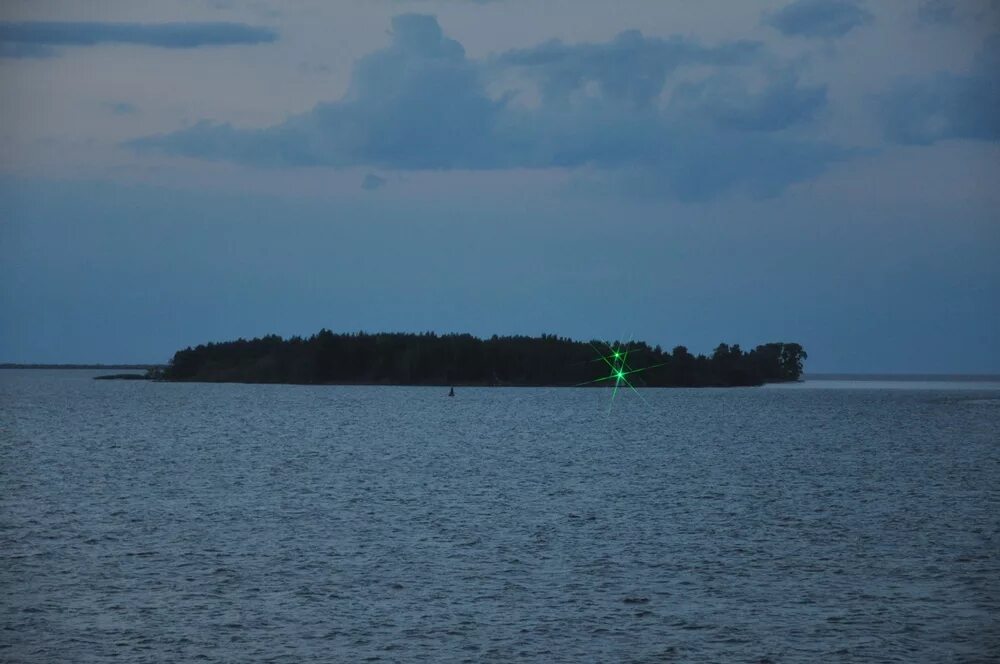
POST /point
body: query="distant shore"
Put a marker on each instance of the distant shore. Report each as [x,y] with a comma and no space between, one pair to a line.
[898,377]
[136,367]
[905,377]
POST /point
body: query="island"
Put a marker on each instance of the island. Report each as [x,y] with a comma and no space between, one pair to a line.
[463,359]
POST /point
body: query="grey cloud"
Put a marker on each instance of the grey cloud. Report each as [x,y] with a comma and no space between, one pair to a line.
[937,12]
[121,108]
[372,182]
[417,104]
[421,104]
[952,13]
[818,18]
[782,104]
[947,106]
[457,2]
[631,67]
[45,34]
[696,165]
[17,50]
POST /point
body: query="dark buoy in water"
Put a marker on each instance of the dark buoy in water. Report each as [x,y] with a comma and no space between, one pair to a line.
[451,392]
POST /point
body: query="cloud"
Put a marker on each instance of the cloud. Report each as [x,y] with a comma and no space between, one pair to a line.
[17,50]
[421,104]
[372,182]
[781,104]
[937,12]
[951,13]
[631,67]
[947,106]
[417,104]
[121,108]
[457,2]
[40,36]
[818,18]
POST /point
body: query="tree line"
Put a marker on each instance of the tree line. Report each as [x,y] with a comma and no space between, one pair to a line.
[462,359]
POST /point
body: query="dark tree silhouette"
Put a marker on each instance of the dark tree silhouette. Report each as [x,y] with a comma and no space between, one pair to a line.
[461,359]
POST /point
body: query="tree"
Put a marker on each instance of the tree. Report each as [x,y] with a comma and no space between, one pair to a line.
[429,359]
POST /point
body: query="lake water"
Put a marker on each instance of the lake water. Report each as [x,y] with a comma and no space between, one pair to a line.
[149,522]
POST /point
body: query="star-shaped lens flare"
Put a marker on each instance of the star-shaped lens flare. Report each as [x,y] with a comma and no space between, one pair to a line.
[620,370]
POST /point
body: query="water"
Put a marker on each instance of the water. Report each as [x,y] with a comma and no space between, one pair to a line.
[150,522]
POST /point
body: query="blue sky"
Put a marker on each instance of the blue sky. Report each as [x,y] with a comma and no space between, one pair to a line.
[820,171]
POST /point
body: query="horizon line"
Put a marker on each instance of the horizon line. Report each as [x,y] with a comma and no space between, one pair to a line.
[819,375]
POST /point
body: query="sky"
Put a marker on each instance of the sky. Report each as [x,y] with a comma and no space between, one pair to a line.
[817,171]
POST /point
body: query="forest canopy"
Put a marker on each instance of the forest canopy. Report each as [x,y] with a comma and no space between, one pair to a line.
[462,359]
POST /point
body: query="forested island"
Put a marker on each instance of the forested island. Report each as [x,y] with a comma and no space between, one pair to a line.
[462,359]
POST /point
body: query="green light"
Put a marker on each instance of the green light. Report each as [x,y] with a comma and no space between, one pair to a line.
[617,361]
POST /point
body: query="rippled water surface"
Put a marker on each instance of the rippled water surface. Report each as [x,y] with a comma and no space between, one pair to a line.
[148,522]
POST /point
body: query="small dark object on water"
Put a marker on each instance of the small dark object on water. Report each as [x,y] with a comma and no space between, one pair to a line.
[636,600]
[451,392]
